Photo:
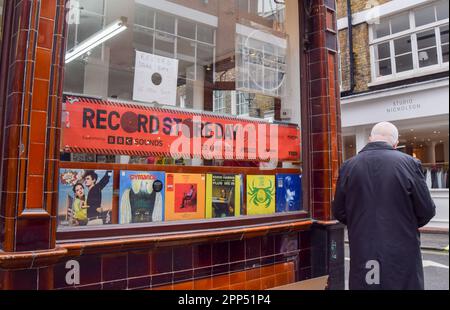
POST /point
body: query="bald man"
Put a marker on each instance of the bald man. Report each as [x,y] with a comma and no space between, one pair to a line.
[383,199]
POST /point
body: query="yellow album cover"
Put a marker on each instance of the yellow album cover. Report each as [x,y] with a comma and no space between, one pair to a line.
[223,195]
[185,196]
[260,194]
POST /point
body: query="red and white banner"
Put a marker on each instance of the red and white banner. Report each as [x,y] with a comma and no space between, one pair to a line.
[104,127]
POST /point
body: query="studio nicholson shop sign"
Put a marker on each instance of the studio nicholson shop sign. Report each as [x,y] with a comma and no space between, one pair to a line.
[103,127]
[403,105]
[409,103]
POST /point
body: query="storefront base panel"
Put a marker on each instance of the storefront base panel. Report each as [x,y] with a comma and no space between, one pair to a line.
[257,263]
[328,254]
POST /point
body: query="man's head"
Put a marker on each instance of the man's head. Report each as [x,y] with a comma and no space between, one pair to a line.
[90,178]
[385,132]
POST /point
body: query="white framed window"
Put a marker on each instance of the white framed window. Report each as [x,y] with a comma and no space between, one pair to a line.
[243,103]
[410,43]
[219,105]
[193,44]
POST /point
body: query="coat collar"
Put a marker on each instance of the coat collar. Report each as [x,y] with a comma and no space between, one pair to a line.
[377,146]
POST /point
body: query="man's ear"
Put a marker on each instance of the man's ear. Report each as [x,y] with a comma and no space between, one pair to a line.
[396,144]
[370,139]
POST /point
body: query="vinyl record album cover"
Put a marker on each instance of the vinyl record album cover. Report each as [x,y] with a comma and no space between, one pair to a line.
[85,197]
[260,194]
[141,197]
[289,192]
[185,196]
[223,195]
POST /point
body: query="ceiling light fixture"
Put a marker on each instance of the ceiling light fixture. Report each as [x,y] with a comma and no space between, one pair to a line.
[96,39]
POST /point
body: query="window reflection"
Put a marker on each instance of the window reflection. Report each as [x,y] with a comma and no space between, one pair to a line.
[231,55]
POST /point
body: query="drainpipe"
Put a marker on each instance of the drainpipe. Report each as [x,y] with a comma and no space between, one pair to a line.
[350,50]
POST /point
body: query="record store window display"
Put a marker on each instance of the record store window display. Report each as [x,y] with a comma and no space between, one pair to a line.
[134,69]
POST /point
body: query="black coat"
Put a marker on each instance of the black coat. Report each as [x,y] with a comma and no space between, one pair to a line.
[383,199]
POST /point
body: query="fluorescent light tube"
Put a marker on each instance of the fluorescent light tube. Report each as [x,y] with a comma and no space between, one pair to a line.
[98,38]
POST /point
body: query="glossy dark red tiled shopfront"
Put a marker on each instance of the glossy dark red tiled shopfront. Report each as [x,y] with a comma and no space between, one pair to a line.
[250,258]
[268,259]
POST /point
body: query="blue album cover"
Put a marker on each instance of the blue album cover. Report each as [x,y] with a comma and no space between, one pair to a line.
[289,192]
[141,197]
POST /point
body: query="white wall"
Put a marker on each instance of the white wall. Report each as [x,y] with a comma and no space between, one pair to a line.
[441,200]
[426,100]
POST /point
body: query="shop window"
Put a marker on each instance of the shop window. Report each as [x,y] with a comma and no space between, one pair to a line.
[137,76]
[410,42]
[429,144]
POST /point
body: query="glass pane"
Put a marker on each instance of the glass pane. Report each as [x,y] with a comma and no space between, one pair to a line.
[400,23]
[186,70]
[70,36]
[205,33]
[384,68]
[444,34]
[143,39]
[426,39]
[165,23]
[445,53]
[382,29]
[92,6]
[404,63]
[164,44]
[442,10]
[428,57]
[177,55]
[402,45]
[199,51]
[144,16]
[269,9]
[425,16]
[383,51]
[89,25]
[186,29]
[186,50]
[205,55]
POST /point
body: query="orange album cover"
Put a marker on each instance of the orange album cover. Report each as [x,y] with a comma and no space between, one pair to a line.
[185,196]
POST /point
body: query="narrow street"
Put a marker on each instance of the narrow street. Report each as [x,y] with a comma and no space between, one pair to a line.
[436,269]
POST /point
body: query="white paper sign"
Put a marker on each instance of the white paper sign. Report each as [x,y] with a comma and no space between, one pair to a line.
[155,79]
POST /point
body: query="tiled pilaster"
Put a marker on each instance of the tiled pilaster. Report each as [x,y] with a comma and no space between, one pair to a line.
[323,102]
[32,94]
